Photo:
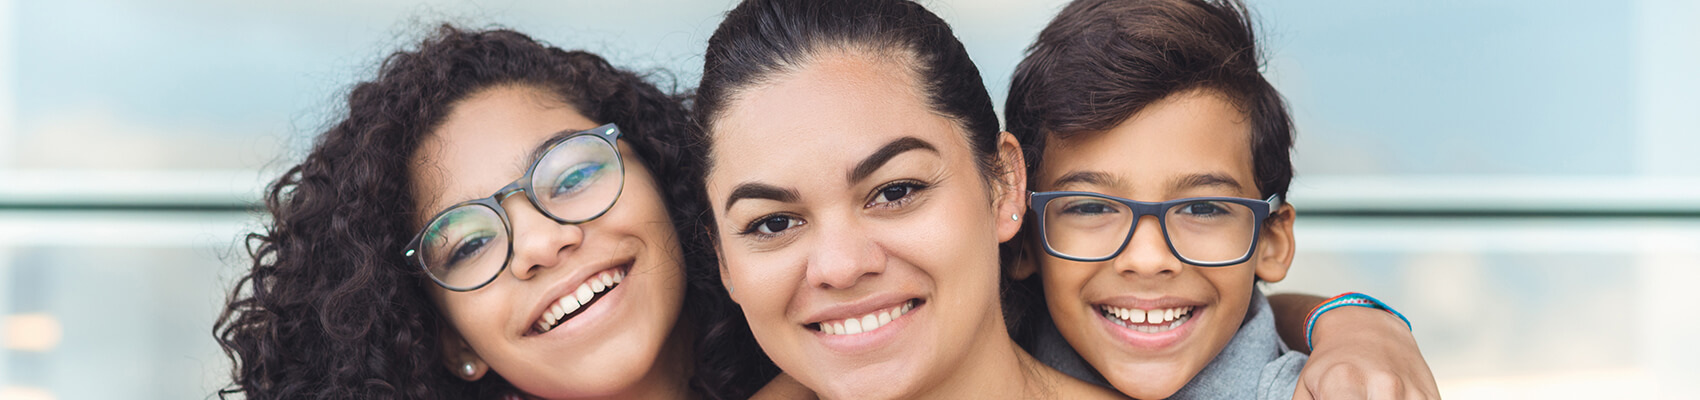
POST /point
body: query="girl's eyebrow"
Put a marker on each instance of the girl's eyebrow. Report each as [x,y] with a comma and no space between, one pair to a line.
[537,152]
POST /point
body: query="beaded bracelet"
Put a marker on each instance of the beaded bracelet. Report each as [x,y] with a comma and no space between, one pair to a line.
[1344,300]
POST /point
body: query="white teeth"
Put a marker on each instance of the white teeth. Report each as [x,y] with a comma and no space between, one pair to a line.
[576,299]
[568,305]
[866,323]
[584,294]
[1126,316]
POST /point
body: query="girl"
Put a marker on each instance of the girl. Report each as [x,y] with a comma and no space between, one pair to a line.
[491,218]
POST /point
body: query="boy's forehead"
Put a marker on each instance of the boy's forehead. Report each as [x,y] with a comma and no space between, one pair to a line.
[1185,137]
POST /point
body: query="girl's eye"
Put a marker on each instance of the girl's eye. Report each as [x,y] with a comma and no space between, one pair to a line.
[467,249]
[895,192]
[576,179]
[773,225]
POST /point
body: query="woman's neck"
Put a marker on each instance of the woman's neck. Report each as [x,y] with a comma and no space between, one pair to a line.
[994,368]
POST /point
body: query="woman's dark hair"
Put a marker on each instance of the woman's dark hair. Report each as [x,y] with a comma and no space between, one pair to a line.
[762,40]
[1101,61]
[330,309]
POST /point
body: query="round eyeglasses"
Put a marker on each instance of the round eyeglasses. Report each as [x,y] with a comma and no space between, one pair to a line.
[1202,231]
[575,180]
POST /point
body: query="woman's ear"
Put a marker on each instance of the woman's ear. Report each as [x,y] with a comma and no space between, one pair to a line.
[458,356]
[1011,202]
[1276,247]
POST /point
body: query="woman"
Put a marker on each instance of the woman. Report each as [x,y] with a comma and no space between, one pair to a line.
[388,268]
[859,191]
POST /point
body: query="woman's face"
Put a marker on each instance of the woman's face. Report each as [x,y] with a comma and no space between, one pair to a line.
[610,343]
[855,229]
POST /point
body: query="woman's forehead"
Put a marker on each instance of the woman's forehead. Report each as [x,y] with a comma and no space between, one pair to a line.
[836,105]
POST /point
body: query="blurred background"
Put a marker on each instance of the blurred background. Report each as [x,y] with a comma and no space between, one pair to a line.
[1519,176]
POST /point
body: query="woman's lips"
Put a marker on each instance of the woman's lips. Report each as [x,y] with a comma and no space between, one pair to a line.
[870,330]
[866,322]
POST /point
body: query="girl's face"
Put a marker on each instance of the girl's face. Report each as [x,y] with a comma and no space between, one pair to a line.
[1192,144]
[610,344]
[855,229]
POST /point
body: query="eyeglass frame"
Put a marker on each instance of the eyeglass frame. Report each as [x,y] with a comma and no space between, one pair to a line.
[609,133]
[1261,211]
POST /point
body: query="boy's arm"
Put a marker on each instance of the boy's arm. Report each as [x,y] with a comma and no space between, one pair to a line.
[1361,352]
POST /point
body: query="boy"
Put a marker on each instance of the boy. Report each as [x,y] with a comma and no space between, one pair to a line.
[1159,158]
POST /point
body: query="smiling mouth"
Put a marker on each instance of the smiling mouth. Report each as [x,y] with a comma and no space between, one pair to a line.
[865,323]
[575,302]
[1147,321]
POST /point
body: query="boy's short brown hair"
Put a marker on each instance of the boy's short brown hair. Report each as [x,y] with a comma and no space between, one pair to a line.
[1101,61]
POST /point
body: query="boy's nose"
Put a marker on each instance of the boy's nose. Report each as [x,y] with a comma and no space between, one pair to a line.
[1147,253]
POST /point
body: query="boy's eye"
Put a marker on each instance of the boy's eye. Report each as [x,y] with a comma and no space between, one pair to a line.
[1202,208]
[1089,208]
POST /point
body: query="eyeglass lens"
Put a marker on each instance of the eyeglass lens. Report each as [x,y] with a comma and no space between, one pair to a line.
[1203,231]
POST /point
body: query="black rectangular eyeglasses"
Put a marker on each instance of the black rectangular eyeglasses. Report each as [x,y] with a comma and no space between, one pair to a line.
[1202,231]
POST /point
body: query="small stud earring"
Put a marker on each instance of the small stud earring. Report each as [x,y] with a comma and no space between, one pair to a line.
[1015,217]
[467,369]
[728,289]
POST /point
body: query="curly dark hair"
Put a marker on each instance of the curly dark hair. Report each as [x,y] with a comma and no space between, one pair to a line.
[331,310]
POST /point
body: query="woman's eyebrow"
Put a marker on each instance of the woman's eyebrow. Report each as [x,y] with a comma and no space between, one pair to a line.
[878,159]
[752,190]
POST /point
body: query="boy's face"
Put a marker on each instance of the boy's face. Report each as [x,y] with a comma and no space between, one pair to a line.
[1190,144]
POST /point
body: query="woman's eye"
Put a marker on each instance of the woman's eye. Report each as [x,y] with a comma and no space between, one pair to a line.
[773,225]
[895,192]
[576,179]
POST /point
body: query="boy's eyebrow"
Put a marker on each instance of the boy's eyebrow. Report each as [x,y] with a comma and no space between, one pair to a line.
[1211,179]
[1094,178]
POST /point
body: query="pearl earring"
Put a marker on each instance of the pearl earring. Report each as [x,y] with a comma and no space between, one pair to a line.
[1015,217]
[467,369]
